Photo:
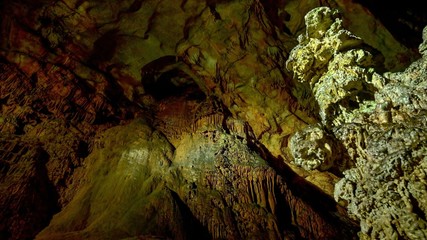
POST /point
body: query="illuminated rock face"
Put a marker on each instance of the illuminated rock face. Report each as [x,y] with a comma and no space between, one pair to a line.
[183,119]
[387,190]
[211,185]
[312,148]
[336,67]
[378,120]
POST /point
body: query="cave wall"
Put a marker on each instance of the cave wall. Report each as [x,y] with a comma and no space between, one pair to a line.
[161,119]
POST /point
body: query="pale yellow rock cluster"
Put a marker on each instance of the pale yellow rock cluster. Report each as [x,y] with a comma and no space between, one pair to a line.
[376,121]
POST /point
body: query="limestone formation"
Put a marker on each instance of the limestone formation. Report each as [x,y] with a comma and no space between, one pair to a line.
[387,189]
[335,68]
[378,120]
[313,149]
[144,119]
[210,180]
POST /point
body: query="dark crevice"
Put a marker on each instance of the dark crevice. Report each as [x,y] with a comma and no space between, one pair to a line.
[104,47]
[214,12]
[310,195]
[4,168]
[82,149]
[46,191]
[278,19]
[284,217]
[165,86]
[416,208]
[193,227]
[136,5]
[405,20]
[19,130]
[163,78]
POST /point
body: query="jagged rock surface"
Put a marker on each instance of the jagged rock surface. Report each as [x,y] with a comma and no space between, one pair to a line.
[210,186]
[208,78]
[47,124]
[333,68]
[30,198]
[387,190]
[378,120]
[312,148]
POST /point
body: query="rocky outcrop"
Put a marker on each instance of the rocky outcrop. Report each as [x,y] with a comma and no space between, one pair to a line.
[124,175]
[379,122]
[334,68]
[210,186]
[47,121]
[159,119]
[312,148]
[387,189]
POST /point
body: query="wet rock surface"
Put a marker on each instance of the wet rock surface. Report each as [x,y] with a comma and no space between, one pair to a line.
[183,120]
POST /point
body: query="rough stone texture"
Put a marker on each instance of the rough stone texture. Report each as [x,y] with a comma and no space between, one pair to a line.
[361,22]
[370,28]
[210,186]
[378,120]
[335,70]
[387,190]
[161,119]
[47,124]
[28,198]
[313,149]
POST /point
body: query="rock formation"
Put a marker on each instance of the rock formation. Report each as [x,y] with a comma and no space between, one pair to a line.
[387,190]
[209,119]
[379,121]
[210,186]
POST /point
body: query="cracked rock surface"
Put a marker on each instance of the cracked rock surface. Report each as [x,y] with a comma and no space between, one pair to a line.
[144,119]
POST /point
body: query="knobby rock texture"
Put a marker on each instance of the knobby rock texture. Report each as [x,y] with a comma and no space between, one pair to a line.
[209,119]
[372,130]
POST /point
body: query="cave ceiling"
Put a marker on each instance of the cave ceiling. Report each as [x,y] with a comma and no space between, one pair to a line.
[237,119]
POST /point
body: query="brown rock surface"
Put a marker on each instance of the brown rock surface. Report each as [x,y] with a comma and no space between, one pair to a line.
[211,180]
[152,119]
